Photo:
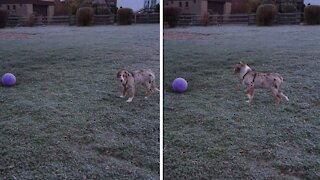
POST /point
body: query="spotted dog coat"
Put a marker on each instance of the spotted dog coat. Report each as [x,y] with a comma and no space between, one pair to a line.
[130,80]
[252,80]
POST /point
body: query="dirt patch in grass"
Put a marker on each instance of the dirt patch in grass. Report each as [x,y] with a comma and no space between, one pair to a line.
[210,132]
[15,35]
[185,35]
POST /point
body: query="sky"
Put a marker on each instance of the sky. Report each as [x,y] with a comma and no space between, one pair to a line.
[312,2]
[133,4]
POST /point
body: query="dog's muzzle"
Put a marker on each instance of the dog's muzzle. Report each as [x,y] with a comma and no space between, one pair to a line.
[122,80]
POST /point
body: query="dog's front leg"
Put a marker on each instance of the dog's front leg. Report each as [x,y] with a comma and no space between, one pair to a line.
[131,93]
[124,89]
[250,94]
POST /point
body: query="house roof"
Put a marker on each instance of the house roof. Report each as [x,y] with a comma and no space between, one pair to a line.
[38,2]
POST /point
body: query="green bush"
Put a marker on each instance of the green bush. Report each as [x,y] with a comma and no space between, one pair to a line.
[239,7]
[31,20]
[312,14]
[84,16]
[266,14]
[124,16]
[3,18]
[205,19]
[171,15]
[253,5]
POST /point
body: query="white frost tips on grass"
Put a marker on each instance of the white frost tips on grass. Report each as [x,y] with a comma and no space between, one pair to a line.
[64,115]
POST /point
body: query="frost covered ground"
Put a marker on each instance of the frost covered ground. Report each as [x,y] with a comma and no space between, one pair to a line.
[210,132]
[63,119]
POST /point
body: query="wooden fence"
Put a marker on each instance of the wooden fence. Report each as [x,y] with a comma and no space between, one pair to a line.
[71,20]
[249,19]
[147,18]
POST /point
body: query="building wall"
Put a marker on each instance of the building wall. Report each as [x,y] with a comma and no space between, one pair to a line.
[203,7]
[29,10]
[198,7]
[227,8]
[23,9]
[187,6]
[16,9]
[112,2]
[50,11]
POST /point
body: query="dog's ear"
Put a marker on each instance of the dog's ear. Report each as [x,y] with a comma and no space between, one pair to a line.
[118,73]
[127,74]
[236,70]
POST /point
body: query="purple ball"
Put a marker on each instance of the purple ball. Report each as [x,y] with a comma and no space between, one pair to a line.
[8,79]
[179,85]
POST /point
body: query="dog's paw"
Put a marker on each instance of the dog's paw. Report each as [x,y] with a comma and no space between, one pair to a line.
[122,96]
[129,100]
[146,97]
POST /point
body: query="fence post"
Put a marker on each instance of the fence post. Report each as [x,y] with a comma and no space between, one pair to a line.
[71,20]
[220,19]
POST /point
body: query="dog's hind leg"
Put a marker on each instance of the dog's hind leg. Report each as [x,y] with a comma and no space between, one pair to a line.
[277,94]
[282,95]
[149,90]
[154,86]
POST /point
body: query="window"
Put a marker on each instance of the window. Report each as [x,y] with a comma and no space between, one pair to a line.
[8,7]
[194,1]
[171,2]
[180,4]
[14,7]
[187,4]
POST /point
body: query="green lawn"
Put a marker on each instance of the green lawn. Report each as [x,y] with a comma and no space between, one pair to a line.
[210,132]
[64,118]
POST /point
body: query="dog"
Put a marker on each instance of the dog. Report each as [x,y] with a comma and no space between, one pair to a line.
[253,80]
[130,80]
